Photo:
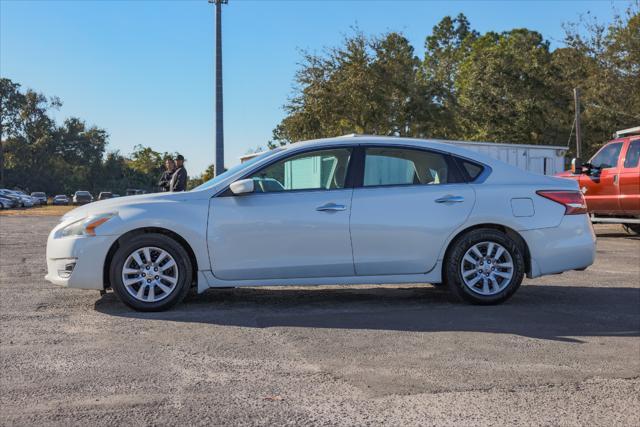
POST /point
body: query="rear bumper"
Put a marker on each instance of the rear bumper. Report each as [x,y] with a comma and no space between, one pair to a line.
[86,254]
[569,246]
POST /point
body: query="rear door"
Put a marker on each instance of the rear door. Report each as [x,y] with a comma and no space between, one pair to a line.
[630,179]
[601,189]
[407,203]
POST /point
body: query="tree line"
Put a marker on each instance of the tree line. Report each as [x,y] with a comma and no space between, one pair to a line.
[39,155]
[497,87]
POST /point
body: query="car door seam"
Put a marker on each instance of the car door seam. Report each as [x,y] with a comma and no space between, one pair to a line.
[353,258]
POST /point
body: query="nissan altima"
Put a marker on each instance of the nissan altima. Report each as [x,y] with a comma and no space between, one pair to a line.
[347,210]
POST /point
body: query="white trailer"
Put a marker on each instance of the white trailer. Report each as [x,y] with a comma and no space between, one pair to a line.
[543,159]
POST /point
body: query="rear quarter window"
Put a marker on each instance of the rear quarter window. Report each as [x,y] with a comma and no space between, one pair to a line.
[470,170]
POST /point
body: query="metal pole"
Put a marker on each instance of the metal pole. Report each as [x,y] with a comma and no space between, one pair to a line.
[219,168]
[576,99]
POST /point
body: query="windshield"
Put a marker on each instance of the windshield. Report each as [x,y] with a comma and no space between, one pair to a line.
[235,169]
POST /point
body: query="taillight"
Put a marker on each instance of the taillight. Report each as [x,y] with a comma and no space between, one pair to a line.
[573,201]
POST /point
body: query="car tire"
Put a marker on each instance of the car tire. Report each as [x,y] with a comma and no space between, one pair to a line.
[159,245]
[633,229]
[484,281]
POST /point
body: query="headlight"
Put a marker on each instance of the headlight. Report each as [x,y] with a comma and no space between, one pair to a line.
[85,226]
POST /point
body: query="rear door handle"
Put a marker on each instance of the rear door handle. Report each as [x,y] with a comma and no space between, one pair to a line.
[450,199]
[331,207]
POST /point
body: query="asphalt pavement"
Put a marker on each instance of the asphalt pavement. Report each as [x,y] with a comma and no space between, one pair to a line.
[564,350]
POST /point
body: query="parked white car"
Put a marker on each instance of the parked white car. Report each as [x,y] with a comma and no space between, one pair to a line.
[366,210]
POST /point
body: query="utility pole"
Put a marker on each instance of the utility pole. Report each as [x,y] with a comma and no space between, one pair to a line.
[576,99]
[219,168]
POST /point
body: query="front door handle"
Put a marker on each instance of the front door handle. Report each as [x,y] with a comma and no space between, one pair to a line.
[331,207]
[450,199]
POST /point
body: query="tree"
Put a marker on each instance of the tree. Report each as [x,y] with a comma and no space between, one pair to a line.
[445,49]
[208,174]
[366,85]
[506,89]
[10,101]
[604,62]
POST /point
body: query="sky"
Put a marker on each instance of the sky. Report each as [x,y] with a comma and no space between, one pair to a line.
[143,69]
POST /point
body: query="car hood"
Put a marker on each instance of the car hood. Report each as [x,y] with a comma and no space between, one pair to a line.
[112,205]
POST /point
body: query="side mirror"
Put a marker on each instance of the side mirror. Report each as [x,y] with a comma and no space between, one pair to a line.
[242,186]
[576,166]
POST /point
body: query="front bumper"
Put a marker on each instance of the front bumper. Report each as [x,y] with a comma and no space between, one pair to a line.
[87,254]
[569,246]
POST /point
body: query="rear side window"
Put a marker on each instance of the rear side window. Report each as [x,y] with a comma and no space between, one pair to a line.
[607,157]
[403,166]
[633,154]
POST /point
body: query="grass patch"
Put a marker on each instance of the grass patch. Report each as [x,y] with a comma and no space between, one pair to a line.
[48,210]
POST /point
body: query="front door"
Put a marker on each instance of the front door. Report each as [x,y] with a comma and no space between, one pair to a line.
[409,203]
[294,225]
[601,187]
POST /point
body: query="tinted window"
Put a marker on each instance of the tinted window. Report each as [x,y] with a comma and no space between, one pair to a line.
[317,170]
[401,166]
[633,154]
[607,157]
[473,170]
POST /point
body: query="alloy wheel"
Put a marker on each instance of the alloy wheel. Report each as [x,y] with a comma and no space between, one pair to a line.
[150,274]
[487,268]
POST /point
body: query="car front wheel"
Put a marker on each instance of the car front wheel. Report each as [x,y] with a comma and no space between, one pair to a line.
[150,272]
[485,266]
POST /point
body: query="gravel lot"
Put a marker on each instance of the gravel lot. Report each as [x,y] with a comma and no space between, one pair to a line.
[565,350]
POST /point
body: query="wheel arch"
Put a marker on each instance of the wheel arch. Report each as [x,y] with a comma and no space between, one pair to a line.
[146,230]
[503,228]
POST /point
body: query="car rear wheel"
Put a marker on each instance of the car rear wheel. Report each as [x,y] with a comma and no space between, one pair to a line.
[151,272]
[633,229]
[485,266]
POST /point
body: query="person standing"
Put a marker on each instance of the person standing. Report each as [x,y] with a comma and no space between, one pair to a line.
[179,178]
[165,178]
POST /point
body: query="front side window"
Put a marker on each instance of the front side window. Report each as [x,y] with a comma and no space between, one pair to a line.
[633,155]
[402,166]
[317,170]
[607,157]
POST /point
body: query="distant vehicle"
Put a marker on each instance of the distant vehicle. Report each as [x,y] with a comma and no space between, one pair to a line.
[115,195]
[33,200]
[24,201]
[610,181]
[7,203]
[8,194]
[82,197]
[344,211]
[61,199]
[42,197]
[134,191]
[105,195]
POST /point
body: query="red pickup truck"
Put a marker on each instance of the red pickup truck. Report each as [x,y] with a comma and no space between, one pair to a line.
[610,181]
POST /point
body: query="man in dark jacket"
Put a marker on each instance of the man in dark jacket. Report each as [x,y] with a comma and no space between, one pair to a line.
[165,178]
[179,178]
